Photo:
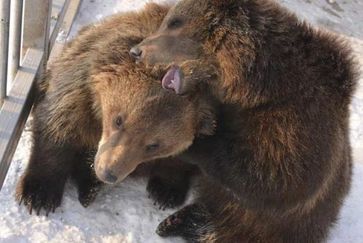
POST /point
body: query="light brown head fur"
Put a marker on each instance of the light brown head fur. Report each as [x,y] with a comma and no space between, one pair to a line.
[141,121]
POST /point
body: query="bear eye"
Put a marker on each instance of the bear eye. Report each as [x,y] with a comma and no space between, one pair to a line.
[175,23]
[152,147]
[118,122]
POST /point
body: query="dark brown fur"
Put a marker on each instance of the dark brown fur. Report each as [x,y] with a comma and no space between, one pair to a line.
[279,165]
[93,80]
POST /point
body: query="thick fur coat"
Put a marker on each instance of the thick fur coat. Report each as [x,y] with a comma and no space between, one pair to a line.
[95,99]
[279,166]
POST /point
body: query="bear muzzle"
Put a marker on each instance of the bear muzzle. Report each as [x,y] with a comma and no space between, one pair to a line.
[111,166]
[107,176]
[111,172]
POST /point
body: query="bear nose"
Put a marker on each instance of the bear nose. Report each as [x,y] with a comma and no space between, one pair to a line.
[109,177]
[136,52]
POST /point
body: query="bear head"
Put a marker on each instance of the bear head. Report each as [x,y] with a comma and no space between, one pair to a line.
[141,121]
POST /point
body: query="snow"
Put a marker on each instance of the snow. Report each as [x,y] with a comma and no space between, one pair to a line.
[124,213]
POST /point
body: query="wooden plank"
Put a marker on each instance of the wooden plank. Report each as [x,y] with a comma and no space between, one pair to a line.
[65,28]
[16,108]
[59,10]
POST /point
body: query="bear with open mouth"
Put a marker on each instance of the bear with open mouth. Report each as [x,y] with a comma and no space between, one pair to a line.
[279,165]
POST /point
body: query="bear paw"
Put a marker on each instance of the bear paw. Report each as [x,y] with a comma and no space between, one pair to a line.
[87,193]
[167,193]
[191,223]
[39,193]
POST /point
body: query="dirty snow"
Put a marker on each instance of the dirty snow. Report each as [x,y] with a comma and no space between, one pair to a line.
[124,213]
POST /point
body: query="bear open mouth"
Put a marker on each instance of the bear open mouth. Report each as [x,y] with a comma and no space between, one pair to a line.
[172,79]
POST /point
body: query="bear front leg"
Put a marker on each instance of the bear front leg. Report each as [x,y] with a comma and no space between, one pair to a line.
[42,184]
[84,176]
[191,222]
[169,182]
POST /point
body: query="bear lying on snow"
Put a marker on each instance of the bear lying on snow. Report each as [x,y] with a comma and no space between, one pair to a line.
[95,99]
[279,165]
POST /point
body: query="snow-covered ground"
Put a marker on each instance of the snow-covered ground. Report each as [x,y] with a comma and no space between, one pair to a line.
[124,213]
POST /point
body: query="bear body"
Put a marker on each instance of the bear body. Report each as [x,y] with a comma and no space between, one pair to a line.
[279,165]
[95,104]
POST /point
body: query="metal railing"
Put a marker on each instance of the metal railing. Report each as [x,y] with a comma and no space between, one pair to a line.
[28,34]
[4,46]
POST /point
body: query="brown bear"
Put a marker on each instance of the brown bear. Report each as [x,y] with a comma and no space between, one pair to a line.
[279,165]
[95,99]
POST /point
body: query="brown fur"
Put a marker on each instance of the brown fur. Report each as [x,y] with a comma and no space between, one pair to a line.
[279,165]
[93,82]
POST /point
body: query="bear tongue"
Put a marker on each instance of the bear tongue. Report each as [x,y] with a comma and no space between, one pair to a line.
[171,80]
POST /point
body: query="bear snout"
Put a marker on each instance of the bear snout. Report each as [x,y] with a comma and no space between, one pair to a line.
[136,52]
[114,169]
[105,174]
[107,177]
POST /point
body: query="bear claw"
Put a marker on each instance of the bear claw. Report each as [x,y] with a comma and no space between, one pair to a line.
[35,196]
[186,222]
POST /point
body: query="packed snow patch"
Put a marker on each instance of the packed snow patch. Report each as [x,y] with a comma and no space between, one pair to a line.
[124,213]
